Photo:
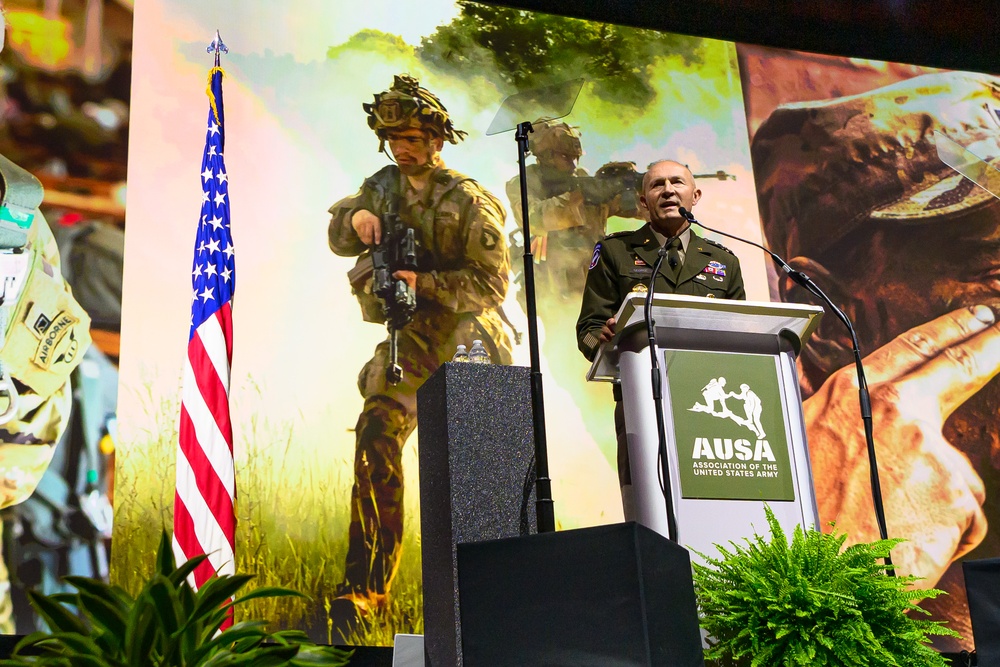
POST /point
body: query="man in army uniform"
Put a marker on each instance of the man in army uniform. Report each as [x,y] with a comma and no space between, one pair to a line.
[460,283]
[623,263]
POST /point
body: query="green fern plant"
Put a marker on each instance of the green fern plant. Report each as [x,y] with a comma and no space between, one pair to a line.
[812,602]
[168,624]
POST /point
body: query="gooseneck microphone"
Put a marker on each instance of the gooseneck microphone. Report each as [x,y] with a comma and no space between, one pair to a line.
[864,396]
[657,384]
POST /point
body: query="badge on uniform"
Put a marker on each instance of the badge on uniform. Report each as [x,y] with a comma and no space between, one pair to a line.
[640,289]
[639,261]
[716,268]
[597,255]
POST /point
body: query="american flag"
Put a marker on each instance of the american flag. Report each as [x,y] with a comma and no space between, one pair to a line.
[204,516]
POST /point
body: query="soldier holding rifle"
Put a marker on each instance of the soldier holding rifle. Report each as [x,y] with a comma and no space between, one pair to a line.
[433,265]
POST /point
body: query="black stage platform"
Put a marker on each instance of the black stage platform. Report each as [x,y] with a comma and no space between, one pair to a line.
[381,656]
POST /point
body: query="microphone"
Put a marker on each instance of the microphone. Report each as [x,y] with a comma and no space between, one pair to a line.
[657,384]
[806,282]
[797,276]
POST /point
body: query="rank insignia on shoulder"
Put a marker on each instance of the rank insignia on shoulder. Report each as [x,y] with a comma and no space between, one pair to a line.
[640,288]
[720,246]
[716,268]
[597,255]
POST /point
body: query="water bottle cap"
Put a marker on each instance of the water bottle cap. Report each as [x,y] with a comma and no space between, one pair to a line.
[477,342]
[461,347]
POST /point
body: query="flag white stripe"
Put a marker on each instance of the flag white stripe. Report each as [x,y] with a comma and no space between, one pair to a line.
[214,339]
[206,431]
[210,535]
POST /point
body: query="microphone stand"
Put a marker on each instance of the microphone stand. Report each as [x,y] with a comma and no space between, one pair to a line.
[544,511]
[864,396]
[657,382]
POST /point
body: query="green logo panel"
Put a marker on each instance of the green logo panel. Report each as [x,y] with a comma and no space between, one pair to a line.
[730,426]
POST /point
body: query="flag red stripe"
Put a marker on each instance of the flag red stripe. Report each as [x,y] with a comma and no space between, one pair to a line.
[213,392]
[184,530]
[225,317]
[209,485]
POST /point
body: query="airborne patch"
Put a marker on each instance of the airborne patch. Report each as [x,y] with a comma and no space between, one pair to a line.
[489,239]
[597,255]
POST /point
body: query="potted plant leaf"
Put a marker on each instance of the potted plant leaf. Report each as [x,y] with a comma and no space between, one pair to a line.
[168,624]
[812,602]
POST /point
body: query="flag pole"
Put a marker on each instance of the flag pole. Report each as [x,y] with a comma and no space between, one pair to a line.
[217,47]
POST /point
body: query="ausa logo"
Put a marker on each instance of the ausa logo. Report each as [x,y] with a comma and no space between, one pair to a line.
[715,396]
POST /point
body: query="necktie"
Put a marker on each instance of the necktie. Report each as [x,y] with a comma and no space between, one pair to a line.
[674,258]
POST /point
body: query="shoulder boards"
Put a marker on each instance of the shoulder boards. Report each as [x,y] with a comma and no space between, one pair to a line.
[718,245]
[620,234]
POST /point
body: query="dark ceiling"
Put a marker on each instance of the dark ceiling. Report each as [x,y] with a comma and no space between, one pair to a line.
[952,34]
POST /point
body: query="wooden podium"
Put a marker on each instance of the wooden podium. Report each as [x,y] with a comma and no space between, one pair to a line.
[732,412]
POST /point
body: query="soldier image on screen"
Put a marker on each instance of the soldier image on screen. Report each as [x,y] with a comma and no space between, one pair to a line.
[908,248]
[44,334]
[457,281]
[569,210]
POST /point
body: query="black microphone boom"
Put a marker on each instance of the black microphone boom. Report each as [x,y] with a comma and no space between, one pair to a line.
[864,396]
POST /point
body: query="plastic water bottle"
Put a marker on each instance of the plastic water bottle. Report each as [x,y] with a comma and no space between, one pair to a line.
[478,353]
[461,354]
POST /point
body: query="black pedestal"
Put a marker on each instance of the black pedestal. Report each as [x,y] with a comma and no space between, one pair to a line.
[982,586]
[610,596]
[476,481]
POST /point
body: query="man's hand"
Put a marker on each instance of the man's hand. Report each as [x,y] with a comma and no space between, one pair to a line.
[368,227]
[933,497]
[608,330]
[409,276]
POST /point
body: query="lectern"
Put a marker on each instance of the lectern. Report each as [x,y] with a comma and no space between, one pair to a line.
[735,432]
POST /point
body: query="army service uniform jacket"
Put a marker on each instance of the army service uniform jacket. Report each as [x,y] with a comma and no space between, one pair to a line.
[465,265]
[623,263]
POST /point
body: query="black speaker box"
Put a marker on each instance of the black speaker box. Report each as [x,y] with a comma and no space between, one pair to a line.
[476,481]
[982,586]
[611,596]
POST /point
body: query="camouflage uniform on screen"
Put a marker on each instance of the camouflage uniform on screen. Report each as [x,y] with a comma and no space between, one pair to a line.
[461,282]
[45,335]
[559,213]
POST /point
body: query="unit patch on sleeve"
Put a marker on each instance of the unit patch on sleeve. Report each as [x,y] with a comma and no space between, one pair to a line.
[597,255]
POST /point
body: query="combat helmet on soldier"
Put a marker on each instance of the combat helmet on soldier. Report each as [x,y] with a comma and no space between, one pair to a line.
[406,105]
[554,136]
